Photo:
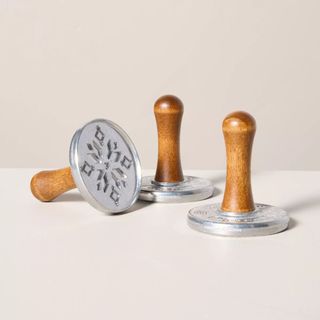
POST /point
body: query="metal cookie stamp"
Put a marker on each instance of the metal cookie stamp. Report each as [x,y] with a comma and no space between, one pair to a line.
[169,184]
[105,167]
[238,215]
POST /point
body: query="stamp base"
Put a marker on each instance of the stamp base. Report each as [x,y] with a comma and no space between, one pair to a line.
[264,220]
[191,189]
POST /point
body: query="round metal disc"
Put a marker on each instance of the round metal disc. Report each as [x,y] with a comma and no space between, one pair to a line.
[265,220]
[105,166]
[191,189]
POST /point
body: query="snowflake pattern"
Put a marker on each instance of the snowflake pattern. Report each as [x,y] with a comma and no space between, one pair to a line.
[108,166]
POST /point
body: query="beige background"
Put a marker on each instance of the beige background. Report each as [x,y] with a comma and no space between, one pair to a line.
[63,63]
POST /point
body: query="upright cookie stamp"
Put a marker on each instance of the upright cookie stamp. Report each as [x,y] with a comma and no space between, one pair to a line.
[238,215]
[169,184]
[105,167]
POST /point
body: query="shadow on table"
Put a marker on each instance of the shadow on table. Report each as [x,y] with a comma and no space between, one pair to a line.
[69,196]
[302,204]
[76,197]
[135,207]
[292,224]
[221,178]
[216,192]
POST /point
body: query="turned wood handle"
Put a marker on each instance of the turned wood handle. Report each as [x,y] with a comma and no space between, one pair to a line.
[47,185]
[238,129]
[168,111]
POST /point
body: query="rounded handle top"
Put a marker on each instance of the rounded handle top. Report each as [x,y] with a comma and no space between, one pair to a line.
[239,121]
[168,104]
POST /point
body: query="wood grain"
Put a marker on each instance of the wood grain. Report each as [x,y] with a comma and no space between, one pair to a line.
[47,185]
[168,111]
[239,129]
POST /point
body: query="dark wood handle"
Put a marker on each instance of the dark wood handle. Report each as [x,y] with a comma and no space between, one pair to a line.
[239,129]
[47,185]
[168,111]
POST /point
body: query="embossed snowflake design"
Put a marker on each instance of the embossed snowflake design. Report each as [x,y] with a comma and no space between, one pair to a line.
[108,166]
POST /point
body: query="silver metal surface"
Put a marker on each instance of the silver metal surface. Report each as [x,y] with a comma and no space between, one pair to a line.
[265,220]
[191,189]
[105,166]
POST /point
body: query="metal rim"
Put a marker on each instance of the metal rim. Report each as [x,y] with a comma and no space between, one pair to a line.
[191,189]
[75,169]
[265,220]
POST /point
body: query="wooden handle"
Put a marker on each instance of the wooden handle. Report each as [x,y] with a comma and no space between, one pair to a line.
[239,129]
[47,185]
[168,111]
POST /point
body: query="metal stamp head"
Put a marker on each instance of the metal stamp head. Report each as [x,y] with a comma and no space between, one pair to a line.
[105,166]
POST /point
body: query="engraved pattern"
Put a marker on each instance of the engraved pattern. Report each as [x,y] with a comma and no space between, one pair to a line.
[108,166]
[213,214]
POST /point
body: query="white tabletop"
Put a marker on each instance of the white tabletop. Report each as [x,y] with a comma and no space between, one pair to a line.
[65,260]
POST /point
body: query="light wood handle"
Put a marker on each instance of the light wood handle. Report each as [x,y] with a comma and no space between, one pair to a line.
[47,185]
[239,129]
[168,111]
